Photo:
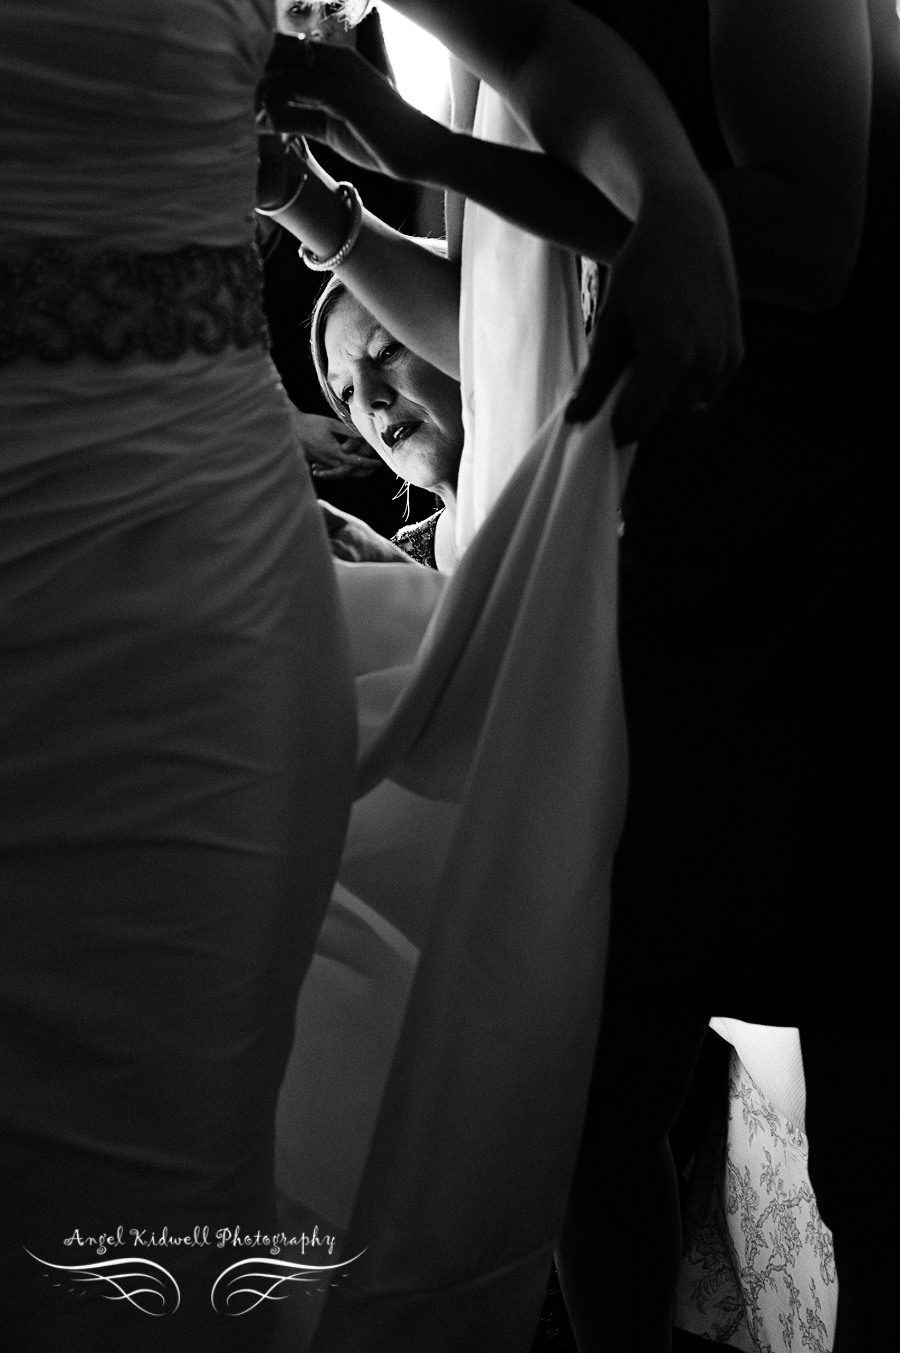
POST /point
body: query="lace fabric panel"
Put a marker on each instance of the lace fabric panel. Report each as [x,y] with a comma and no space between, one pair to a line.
[417,540]
[56,305]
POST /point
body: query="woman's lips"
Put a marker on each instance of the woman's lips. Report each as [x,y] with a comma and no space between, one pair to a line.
[399,432]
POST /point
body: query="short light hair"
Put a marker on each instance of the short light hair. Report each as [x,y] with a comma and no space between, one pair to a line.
[328,299]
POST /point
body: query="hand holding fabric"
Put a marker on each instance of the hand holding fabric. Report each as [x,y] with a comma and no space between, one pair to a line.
[670,312]
[279,164]
[333,95]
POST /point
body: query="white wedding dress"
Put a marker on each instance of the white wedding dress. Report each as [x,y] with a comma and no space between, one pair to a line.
[175,695]
[434,1102]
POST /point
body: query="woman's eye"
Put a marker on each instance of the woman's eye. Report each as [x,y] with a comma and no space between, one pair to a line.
[389,350]
[301,9]
[346,394]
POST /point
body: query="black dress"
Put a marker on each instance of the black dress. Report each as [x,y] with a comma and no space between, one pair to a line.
[756,565]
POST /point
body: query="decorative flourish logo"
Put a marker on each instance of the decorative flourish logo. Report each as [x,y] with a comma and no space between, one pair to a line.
[271,1277]
[121,1275]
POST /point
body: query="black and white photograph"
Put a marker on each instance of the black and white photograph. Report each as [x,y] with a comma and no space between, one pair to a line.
[445,663]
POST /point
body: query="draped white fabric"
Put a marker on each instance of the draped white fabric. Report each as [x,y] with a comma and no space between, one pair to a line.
[519,351]
[452,1089]
[177,732]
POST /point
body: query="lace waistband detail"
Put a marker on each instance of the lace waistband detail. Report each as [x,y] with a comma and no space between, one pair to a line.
[56,305]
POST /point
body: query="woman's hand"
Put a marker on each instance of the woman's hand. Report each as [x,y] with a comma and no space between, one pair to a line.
[332,95]
[280,166]
[332,450]
[670,313]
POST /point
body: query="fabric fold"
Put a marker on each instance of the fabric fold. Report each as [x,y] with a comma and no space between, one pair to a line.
[492,786]
[512,733]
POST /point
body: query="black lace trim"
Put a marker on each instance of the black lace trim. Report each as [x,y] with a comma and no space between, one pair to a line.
[55,305]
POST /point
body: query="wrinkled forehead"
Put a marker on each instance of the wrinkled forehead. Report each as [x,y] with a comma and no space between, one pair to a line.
[321,22]
[348,331]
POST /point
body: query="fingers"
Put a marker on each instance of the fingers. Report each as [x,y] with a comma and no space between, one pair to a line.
[611,349]
[361,470]
[290,114]
[671,314]
[662,378]
[336,80]
[293,119]
[334,96]
[271,146]
[317,73]
[332,454]
[336,456]
[674,321]
[339,429]
[359,455]
[285,108]
[331,471]
[648,391]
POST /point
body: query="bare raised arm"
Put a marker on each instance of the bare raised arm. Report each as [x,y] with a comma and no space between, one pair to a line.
[341,100]
[671,307]
[582,91]
[411,289]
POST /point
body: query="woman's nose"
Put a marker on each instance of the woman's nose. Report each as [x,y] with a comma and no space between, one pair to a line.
[373,391]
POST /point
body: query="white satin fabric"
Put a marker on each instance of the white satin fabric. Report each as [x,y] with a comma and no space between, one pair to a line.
[525,345]
[176,719]
[130,126]
[462,958]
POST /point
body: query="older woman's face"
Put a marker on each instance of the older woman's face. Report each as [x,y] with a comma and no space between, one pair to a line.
[319,22]
[404,407]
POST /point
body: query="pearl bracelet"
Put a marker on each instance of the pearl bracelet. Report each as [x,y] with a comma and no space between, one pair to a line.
[354,201]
